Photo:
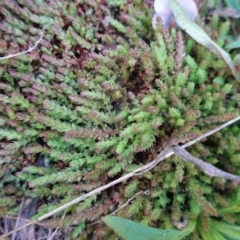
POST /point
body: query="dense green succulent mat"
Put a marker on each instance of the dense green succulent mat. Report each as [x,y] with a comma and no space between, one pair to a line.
[100,95]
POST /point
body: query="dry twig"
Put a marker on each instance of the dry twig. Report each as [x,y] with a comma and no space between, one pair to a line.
[18,218]
[162,156]
[29,49]
[58,226]
[207,168]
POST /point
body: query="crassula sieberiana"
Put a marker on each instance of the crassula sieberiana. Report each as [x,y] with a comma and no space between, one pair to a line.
[102,94]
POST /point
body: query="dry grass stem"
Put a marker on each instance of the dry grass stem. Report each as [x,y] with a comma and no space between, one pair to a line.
[207,168]
[147,192]
[162,156]
[57,227]
[29,49]
[18,218]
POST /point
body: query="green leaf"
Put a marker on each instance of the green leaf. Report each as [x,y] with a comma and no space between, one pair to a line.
[78,230]
[230,231]
[130,230]
[205,235]
[219,80]
[199,35]
[174,112]
[234,45]
[234,4]
[180,122]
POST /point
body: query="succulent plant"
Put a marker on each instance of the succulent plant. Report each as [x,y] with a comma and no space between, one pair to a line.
[102,94]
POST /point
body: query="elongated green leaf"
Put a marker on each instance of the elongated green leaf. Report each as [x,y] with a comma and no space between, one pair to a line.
[205,235]
[234,4]
[229,210]
[229,230]
[199,35]
[216,235]
[234,45]
[130,230]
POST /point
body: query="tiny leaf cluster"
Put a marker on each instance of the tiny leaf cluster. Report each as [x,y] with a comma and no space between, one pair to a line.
[102,94]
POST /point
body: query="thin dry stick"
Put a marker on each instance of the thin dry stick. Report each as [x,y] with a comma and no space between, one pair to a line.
[169,152]
[206,167]
[18,218]
[29,49]
[25,220]
[147,192]
[162,156]
[58,226]
[5,225]
[211,132]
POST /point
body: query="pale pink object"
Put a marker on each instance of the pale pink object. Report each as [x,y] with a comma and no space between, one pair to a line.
[163,10]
